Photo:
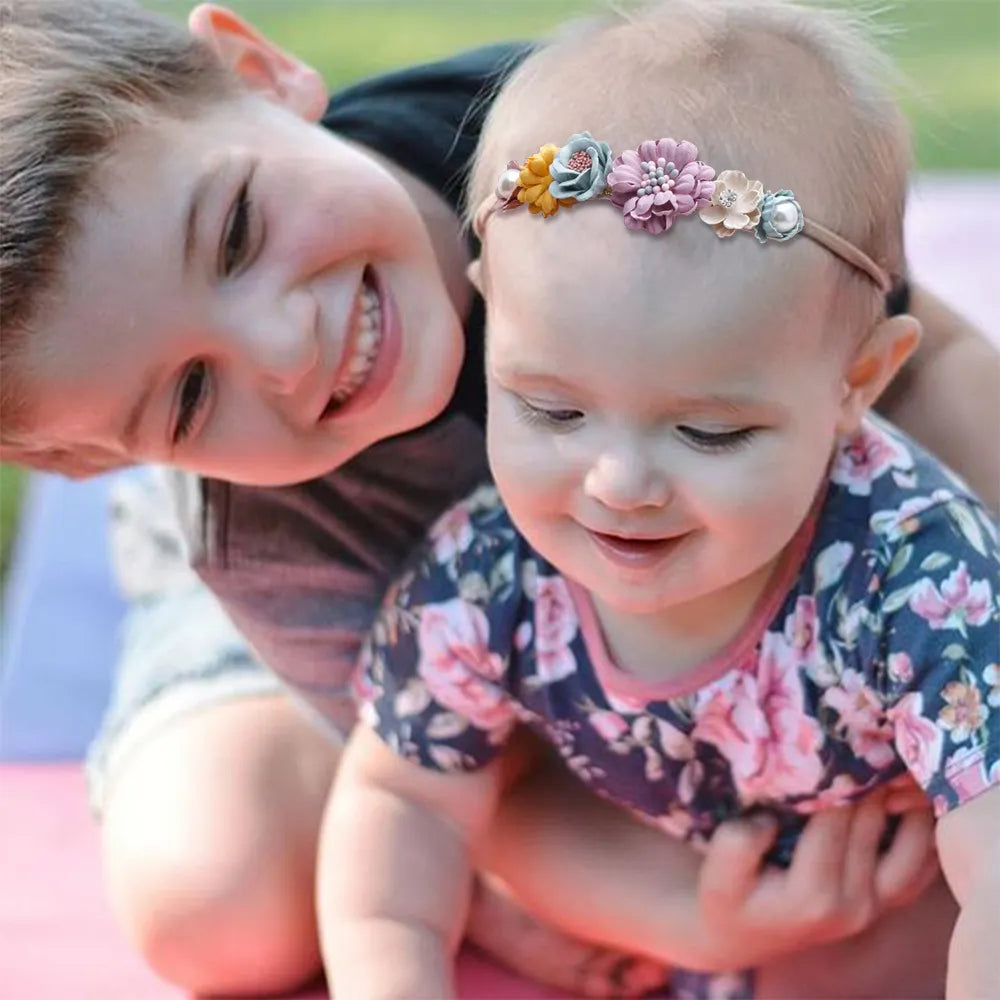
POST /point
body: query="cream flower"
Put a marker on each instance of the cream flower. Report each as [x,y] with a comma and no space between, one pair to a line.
[735,203]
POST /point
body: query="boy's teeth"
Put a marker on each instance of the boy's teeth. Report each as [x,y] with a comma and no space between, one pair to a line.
[365,337]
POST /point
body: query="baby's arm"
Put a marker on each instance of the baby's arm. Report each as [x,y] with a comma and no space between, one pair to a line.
[395,870]
[597,873]
[948,395]
[968,839]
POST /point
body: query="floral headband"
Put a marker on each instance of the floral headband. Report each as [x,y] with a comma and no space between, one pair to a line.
[655,183]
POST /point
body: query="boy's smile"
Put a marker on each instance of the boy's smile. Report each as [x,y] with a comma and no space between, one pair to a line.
[245,296]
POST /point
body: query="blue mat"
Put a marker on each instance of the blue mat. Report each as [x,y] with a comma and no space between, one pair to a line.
[60,622]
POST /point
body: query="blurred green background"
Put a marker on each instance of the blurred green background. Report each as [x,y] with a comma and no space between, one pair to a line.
[948,50]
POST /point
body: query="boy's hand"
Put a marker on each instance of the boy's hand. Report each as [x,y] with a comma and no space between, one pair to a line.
[837,884]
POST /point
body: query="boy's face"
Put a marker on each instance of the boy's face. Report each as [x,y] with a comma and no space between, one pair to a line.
[247,297]
[661,414]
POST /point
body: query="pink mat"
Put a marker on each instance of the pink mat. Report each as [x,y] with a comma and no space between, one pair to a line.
[58,938]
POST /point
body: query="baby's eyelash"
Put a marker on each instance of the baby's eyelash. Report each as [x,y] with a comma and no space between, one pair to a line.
[717,440]
[557,418]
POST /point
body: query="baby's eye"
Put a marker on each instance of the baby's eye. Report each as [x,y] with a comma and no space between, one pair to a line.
[716,440]
[556,418]
[191,397]
[236,234]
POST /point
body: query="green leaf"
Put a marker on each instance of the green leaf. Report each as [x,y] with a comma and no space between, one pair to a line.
[896,600]
[899,561]
[968,525]
[956,651]
[935,561]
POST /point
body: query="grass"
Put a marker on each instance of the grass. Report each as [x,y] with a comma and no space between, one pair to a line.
[947,49]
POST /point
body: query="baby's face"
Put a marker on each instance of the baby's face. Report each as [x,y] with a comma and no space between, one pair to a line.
[246,297]
[661,414]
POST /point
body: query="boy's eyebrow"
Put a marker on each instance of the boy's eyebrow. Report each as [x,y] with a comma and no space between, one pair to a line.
[202,185]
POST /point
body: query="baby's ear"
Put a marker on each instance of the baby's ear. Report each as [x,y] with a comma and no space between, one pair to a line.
[474,272]
[875,364]
[260,64]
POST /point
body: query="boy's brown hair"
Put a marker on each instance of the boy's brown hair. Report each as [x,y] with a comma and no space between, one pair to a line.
[74,76]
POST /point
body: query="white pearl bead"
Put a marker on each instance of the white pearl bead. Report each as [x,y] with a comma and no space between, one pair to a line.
[784,217]
[508,183]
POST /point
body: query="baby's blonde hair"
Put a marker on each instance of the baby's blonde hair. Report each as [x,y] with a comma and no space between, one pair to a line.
[793,95]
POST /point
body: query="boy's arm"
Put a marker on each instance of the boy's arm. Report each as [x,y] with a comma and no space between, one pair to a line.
[968,839]
[394,871]
[947,396]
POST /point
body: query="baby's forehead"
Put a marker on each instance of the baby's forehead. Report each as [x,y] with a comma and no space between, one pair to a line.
[684,290]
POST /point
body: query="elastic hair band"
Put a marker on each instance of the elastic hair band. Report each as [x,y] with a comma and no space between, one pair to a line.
[654,184]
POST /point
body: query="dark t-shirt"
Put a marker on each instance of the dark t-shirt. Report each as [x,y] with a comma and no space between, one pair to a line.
[301,569]
[428,119]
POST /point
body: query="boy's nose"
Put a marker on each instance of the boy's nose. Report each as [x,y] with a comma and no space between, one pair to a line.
[626,480]
[283,349]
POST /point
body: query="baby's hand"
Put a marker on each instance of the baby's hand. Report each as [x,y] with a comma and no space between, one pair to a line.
[835,887]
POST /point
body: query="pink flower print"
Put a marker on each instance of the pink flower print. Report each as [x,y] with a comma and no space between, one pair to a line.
[861,720]
[801,629]
[675,744]
[965,771]
[658,181]
[363,687]
[452,533]
[964,712]
[900,667]
[992,677]
[625,704]
[609,725]
[961,601]
[556,625]
[905,520]
[456,664]
[918,741]
[841,790]
[864,457]
[522,636]
[757,721]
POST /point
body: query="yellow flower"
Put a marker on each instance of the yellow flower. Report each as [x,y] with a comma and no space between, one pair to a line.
[535,180]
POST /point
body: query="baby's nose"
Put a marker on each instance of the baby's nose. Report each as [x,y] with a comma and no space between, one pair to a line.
[626,480]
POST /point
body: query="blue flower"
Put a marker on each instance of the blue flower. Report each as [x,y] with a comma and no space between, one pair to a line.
[781,217]
[579,168]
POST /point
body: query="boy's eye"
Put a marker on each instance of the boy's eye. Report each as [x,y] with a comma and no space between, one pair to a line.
[716,440]
[190,399]
[236,234]
[555,418]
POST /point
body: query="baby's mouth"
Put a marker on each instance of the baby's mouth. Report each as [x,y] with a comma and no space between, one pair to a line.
[361,347]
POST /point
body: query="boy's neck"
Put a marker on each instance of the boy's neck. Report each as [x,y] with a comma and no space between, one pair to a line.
[444,228]
[665,645]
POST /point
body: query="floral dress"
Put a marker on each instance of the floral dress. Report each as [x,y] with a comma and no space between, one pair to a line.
[876,650]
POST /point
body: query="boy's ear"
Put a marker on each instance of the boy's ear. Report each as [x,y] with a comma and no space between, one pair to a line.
[258,62]
[874,366]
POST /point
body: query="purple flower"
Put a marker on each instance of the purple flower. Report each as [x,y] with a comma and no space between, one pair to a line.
[658,181]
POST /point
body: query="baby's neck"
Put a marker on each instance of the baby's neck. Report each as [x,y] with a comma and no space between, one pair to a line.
[667,644]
